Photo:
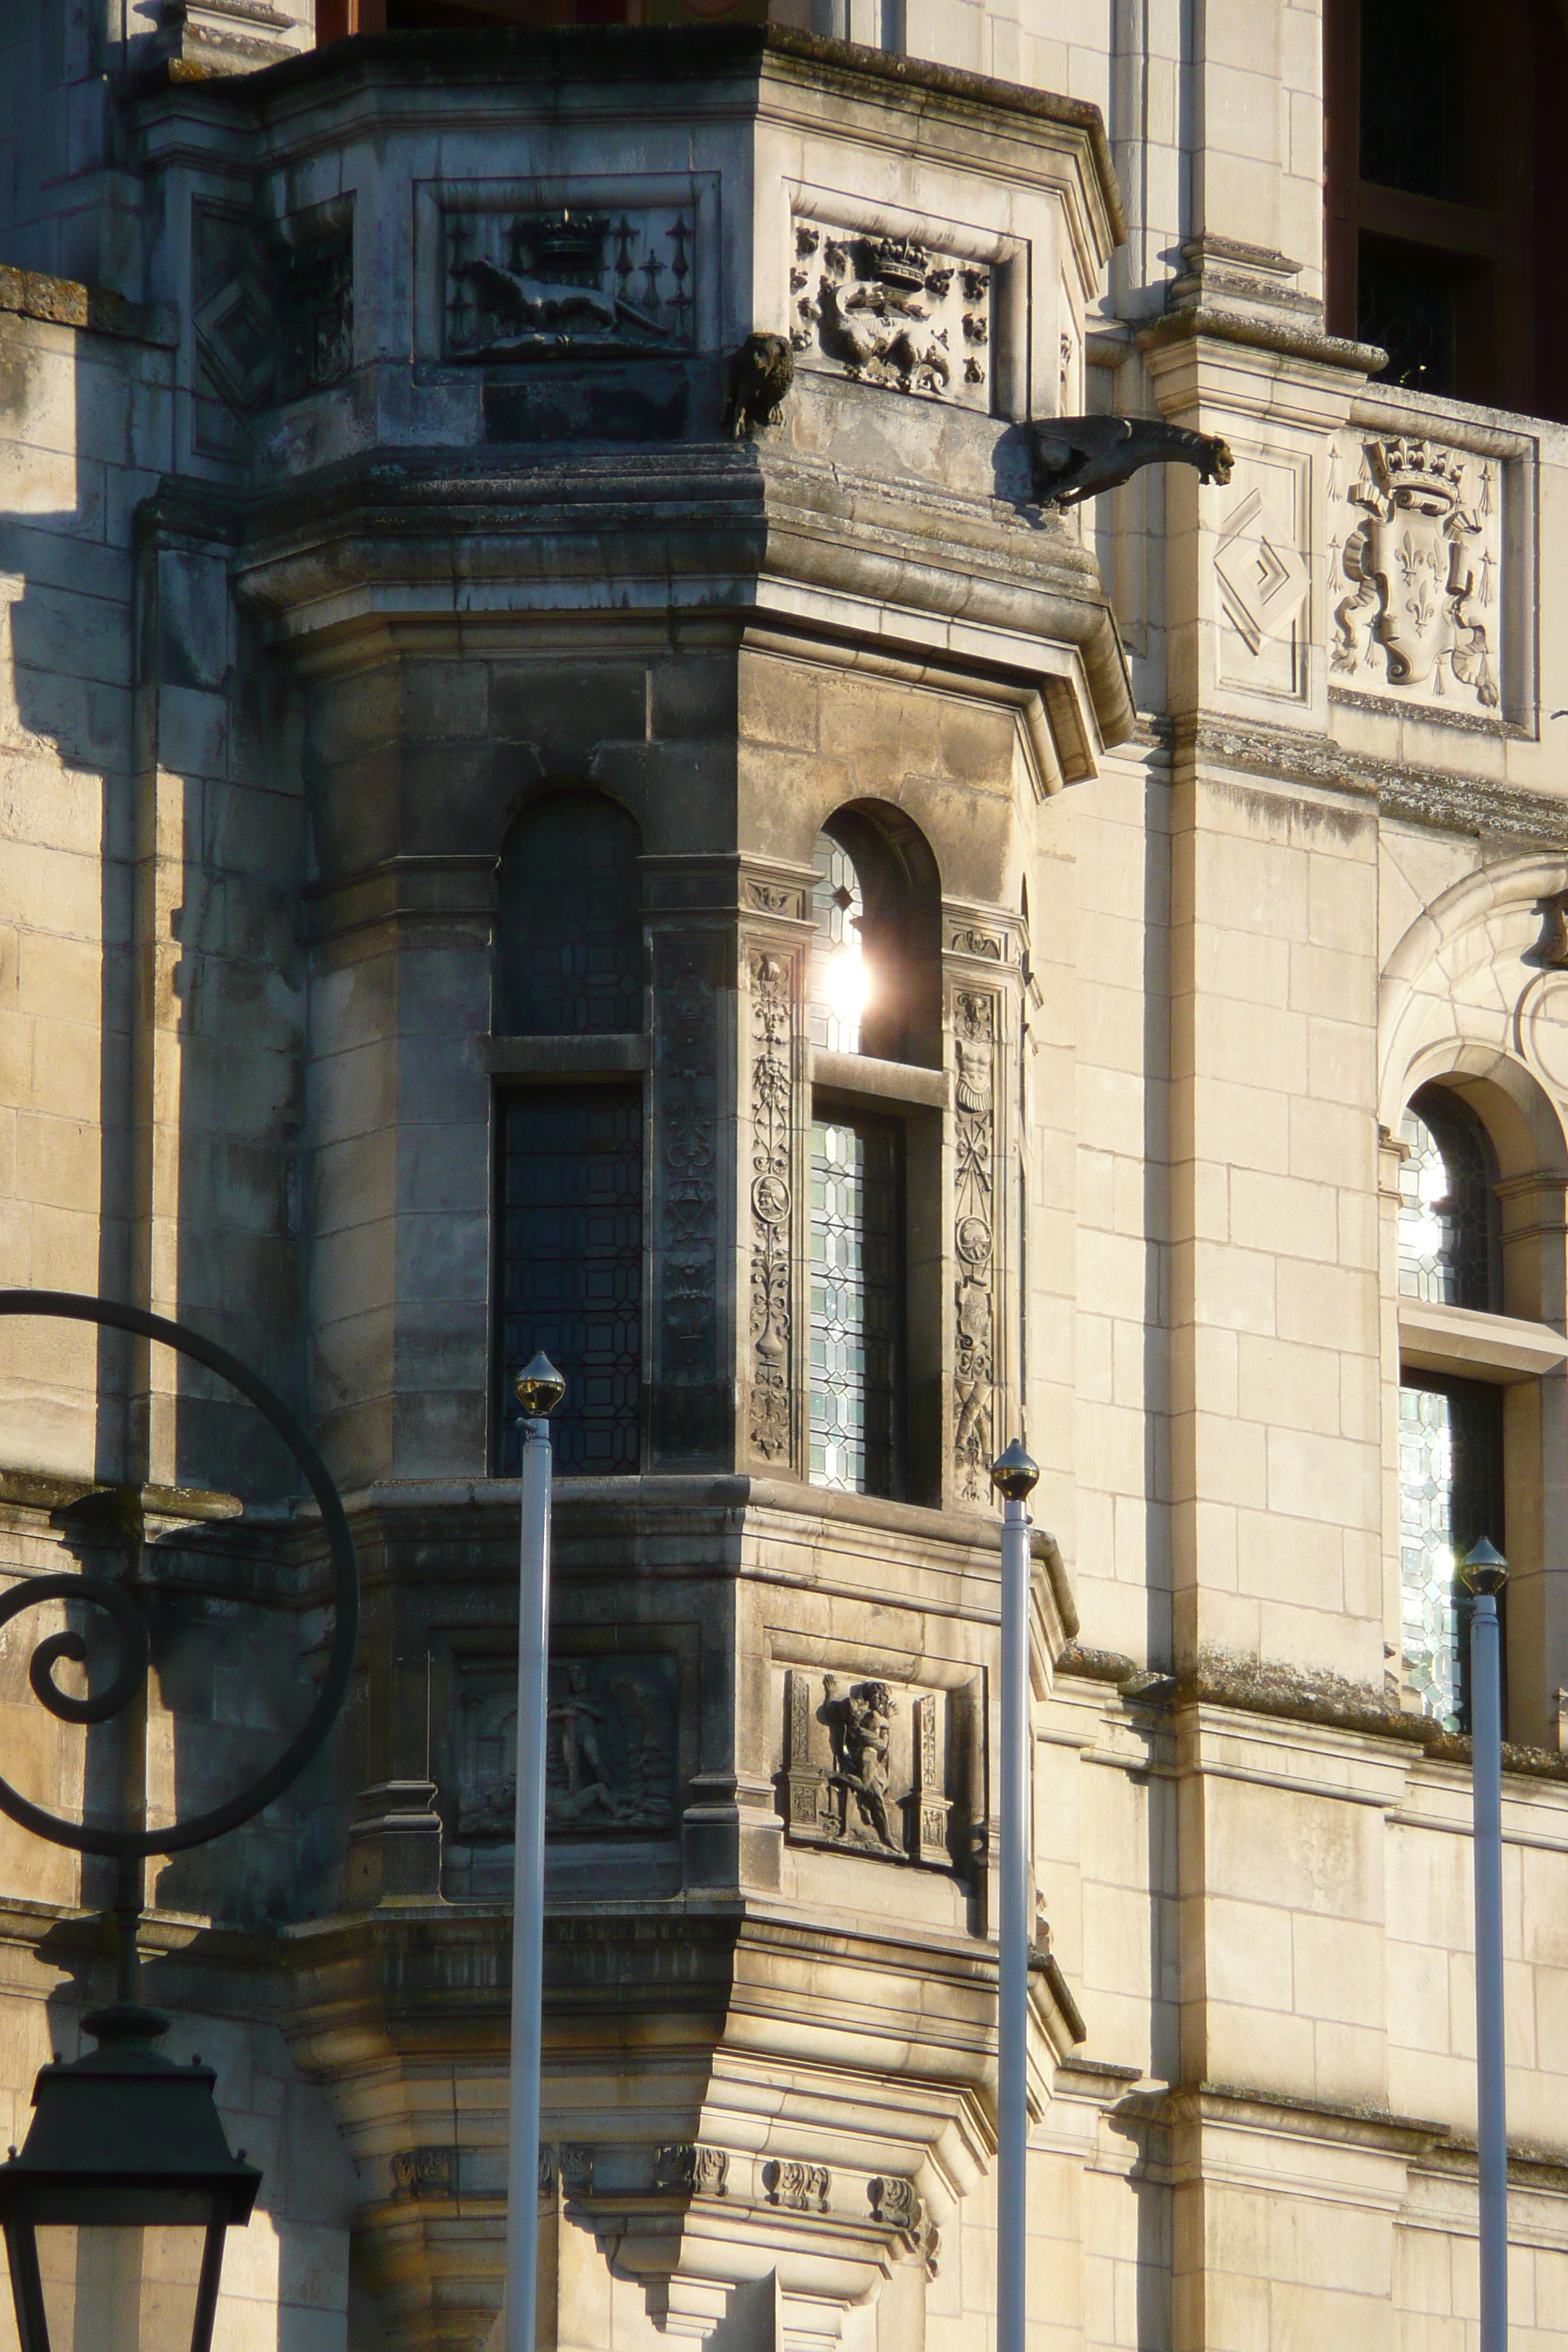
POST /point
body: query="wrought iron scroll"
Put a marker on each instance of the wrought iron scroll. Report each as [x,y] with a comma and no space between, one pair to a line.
[130,1633]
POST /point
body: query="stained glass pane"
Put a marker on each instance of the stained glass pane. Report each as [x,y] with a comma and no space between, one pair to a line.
[569,924]
[1446,1205]
[837,982]
[855,1303]
[1449,1458]
[571,1273]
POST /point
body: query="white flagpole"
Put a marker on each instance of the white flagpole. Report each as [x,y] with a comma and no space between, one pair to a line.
[540,1390]
[1486,1573]
[1013,1475]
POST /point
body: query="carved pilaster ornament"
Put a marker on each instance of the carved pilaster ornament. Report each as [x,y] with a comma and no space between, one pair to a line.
[974,1238]
[773,1204]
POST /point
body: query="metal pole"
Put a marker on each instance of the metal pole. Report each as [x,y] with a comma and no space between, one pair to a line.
[1013,1475]
[539,1389]
[1486,1573]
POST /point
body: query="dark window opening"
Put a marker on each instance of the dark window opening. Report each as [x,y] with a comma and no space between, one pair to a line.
[1449,1243]
[569,924]
[571,1267]
[857,1303]
[1446,212]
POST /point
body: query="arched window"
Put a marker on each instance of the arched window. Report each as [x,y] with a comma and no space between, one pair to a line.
[1450,1424]
[569,927]
[873,996]
[569,964]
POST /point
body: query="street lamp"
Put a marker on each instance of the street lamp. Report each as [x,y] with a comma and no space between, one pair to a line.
[115,2211]
[116,2207]
[1013,1475]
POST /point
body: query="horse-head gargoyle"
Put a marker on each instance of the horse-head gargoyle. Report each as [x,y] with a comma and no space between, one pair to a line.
[1076,457]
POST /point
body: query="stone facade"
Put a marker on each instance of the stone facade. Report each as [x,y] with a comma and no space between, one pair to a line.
[372,468]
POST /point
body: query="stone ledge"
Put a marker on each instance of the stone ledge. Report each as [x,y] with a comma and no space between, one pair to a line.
[63,302]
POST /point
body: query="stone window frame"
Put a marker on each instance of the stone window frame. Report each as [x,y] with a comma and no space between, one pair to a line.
[1516,1344]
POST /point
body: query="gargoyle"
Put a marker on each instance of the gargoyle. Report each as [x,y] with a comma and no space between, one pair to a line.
[1076,457]
[761,373]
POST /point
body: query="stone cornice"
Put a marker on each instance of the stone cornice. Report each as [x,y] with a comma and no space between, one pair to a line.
[1435,796]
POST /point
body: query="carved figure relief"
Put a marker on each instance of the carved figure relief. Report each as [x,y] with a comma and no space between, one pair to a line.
[967,941]
[889,311]
[772,1205]
[1415,556]
[974,1352]
[866,1768]
[611,1755]
[569,284]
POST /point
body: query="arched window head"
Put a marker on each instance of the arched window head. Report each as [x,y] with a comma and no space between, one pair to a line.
[874,984]
[1448,1216]
[568,930]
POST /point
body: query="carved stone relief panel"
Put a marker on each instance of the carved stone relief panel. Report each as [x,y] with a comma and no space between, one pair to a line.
[890,310]
[688,978]
[1415,573]
[1262,576]
[274,312]
[871,1767]
[610,1761]
[976,1021]
[569,281]
[771,1014]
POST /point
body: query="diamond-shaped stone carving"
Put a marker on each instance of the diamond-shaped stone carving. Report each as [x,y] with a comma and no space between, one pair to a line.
[1261,575]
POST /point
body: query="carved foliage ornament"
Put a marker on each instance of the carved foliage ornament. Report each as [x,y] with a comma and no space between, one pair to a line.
[566,283]
[974,1352]
[889,311]
[688,1062]
[1414,556]
[799,2187]
[687,2169]
[419,2172]
[772,1205]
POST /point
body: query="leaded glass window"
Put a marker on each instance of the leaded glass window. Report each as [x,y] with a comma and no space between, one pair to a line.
[1451,1451]
[856,1302]
[569,924]
[837,987]
[1446,1207]
[571,1264]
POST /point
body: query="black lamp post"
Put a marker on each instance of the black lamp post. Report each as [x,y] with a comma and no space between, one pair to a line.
[125,2164]
[122,2141]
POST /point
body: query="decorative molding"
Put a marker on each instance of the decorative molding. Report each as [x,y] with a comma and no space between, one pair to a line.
[569,282]
[799,2187]
[965,939]
[975,1027]
[895,2205]
[892,311]
[420,2172]
[685,1259]
[688,2170]
[773,1204]
[1415,571]
[1434,796]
